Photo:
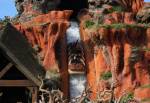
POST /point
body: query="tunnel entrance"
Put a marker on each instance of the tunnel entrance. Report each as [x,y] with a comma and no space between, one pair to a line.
[75,5]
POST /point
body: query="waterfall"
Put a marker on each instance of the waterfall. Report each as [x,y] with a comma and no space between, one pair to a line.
[73,33]
[77,82]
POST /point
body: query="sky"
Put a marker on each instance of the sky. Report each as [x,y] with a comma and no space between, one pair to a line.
[7,8]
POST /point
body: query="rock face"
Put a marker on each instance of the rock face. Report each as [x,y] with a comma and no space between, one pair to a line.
[31,8]
[47,37]
[128,5]
[122,49]
[36,5]
[131,5]
[43,34]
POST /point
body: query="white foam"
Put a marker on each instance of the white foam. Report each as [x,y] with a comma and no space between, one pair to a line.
[73,32]
[77,85]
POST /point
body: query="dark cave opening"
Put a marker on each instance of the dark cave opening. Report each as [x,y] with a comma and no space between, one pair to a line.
[15,95]
[75,5]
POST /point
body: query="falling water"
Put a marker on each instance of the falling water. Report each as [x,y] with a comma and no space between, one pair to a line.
[73,33]
[77,82]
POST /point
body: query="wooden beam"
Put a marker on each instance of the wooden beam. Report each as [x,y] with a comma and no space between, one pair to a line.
[16,83]
[5,69]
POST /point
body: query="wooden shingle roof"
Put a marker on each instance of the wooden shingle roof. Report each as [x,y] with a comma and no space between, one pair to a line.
[16,47]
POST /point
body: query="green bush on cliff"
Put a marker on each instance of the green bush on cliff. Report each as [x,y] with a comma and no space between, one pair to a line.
[89,23]
[127,97]
[116,9]
[145,86]
[122,25]
[117,26]
[146,100]
[146,49]
[106,75]
[5,21]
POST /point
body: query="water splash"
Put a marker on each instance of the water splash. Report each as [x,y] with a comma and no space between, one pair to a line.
[73,33]
[77,84]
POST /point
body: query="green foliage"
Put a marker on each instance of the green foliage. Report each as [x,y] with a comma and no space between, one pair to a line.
[35,7]
[134,49]
[89,23]
[146,49]
[127,97]
[115,26]
[122,25]
[145,86]
[100,19]
[106,75]
[118,26]
[146,100]
[116,9]
[5,21]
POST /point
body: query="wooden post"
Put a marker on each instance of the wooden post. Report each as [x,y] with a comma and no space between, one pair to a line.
[34,92]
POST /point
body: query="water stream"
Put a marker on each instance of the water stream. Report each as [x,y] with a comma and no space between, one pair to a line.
[77,81]
[73,32]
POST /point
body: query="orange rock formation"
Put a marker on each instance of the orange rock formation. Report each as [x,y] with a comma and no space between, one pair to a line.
[43,34]
[121,51]
[47,37]
[132,5]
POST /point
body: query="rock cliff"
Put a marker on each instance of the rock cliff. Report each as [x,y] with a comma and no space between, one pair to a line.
[48,39]
[116,49]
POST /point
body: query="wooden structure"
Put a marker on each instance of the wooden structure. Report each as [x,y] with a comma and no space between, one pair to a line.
[18,66]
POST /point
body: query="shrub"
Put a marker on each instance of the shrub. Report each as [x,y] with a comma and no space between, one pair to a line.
[106,75]
[116,9]
[89,23]
[127,97]
[146,100]
[145,86]
[146,49]
[5,21]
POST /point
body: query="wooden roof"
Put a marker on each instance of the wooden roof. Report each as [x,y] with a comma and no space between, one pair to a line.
[16,47]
